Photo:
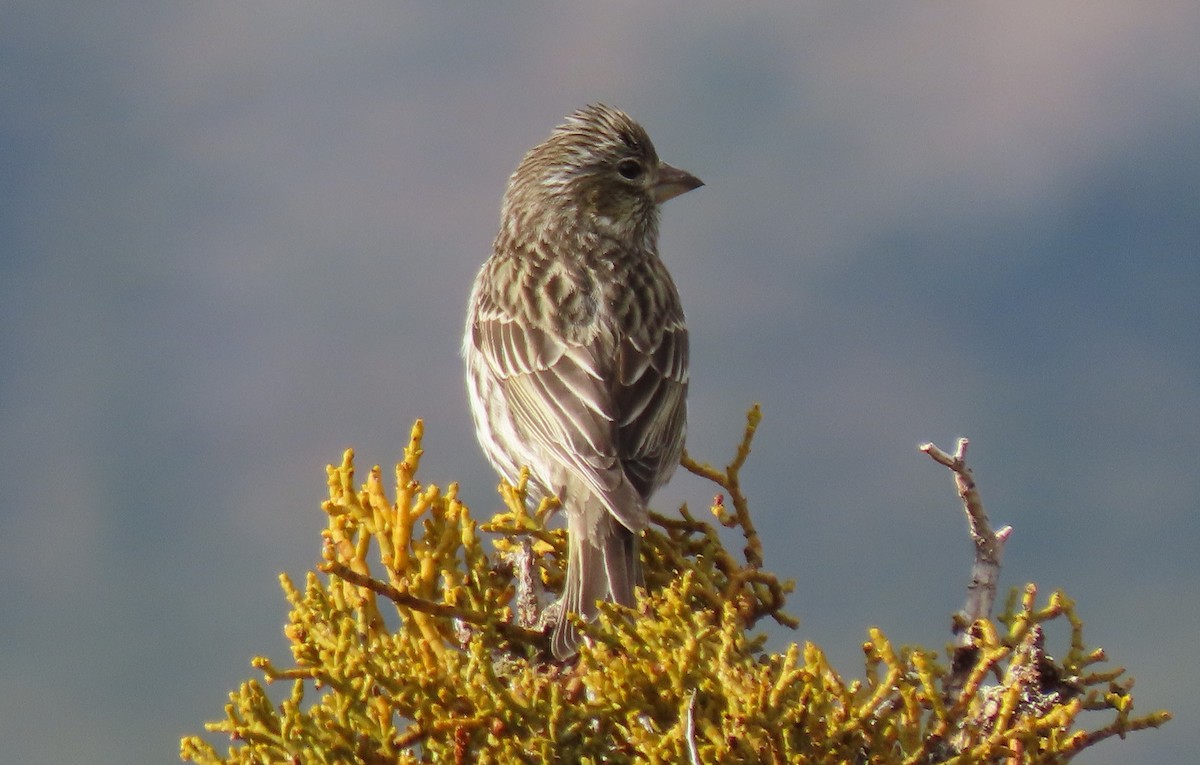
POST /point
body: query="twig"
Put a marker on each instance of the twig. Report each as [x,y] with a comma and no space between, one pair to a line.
[690,730]
[507,630]
[730,481]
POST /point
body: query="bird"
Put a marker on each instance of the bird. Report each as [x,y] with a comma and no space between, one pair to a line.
[576,347]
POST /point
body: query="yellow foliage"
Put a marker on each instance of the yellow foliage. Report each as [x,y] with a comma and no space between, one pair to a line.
[419,641]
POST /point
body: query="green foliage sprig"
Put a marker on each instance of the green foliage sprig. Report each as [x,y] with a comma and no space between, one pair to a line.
[419,640]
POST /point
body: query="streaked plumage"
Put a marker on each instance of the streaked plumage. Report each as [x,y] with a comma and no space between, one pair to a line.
[576,346]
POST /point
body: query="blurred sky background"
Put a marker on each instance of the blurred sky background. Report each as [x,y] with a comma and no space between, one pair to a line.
[238,238]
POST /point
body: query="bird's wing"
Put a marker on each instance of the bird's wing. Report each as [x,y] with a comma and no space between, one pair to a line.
[559,398]
[651,398]
[607,404]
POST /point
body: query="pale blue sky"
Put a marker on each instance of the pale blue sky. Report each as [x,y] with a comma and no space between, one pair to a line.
[238,238]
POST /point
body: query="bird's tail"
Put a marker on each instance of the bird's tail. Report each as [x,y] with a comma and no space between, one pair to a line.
[602,564]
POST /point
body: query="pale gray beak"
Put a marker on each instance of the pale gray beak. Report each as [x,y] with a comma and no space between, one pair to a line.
[671,182]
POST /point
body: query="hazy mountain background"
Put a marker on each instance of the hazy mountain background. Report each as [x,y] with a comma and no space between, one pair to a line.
[238,238]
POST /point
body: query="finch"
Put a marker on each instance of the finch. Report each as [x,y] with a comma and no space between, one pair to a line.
[576,347]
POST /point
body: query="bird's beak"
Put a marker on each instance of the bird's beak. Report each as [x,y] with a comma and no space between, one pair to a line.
[671,182]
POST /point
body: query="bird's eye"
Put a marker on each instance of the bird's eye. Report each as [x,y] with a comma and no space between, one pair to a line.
[630,169]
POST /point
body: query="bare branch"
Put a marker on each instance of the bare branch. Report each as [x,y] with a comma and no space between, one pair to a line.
[985,570]
[989,545]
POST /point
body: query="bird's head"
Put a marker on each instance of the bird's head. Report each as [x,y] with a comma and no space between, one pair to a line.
[596,172]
